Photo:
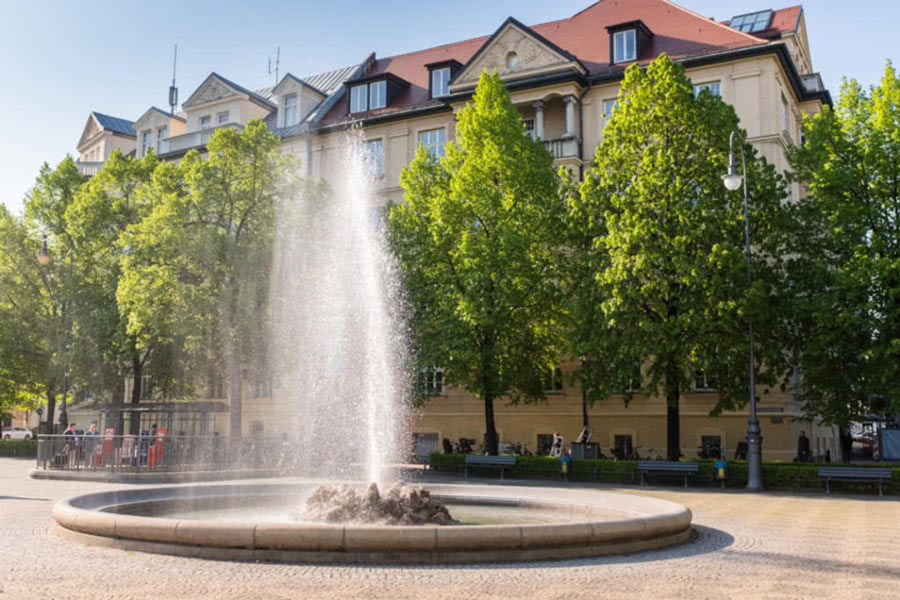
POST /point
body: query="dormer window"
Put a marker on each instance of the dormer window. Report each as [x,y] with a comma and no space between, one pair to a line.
[377,94]
[625,46]
[440,82]
[628,42]
[359,98]
[290,110]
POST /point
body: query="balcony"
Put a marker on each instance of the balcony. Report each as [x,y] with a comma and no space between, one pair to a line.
[564,147]
[195,139]
[89,169]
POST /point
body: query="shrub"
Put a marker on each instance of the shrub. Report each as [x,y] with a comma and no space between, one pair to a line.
[19,448]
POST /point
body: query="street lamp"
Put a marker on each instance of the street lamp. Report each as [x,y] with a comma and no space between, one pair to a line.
[733,181]
[43,259]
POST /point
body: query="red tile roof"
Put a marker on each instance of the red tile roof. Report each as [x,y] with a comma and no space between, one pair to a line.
[677,31]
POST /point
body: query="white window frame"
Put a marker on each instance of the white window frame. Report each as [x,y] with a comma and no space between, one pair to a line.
[359,98]
[626,36]
[161,134]
[375,157]
[377,95]
[146,141]
[222,117]
[433,380]
[714,87]
[290,110]
[529,128]
[609,107]
[206,122]
[434,146]
[785,111]
[440,82]
[553,381]
[704,385]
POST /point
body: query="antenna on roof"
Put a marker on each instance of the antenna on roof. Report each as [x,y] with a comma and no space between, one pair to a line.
[173,91]
[277,63]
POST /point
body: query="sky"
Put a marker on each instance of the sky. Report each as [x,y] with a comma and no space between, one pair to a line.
[61,59]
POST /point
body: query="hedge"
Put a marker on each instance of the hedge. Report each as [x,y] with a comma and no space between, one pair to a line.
[776,475]
[24,448]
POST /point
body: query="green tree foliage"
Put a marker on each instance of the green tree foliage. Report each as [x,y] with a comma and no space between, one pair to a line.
[667,245]
[476,242]
[25,315]
[197,266]
[845,246]
[100,214]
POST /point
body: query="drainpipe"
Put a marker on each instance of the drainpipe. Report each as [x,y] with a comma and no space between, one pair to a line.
[581,130]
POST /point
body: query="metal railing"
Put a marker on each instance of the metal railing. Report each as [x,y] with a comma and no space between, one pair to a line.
[194,139]
[562,147]
[144,453]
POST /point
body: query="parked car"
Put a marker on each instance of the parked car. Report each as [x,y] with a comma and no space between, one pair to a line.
[16,433]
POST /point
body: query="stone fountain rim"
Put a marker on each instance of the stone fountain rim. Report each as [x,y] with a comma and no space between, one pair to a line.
[653,523]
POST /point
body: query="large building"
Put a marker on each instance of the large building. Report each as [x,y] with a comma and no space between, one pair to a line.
[564,77]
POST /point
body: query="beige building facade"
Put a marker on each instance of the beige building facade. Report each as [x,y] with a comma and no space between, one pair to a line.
[564,77]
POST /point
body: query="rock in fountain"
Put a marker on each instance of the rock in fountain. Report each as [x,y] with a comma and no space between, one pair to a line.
[401,505]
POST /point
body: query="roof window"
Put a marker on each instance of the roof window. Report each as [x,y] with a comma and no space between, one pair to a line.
[752,23]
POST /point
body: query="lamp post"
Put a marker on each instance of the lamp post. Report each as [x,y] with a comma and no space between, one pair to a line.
[732,182]
[44,259]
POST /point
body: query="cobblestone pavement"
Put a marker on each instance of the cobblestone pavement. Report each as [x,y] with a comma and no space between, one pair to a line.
[747,546]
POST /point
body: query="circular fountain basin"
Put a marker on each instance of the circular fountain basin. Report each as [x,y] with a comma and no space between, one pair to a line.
[250,522]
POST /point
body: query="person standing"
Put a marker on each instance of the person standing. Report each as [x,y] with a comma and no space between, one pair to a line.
[803,452]
[846,443]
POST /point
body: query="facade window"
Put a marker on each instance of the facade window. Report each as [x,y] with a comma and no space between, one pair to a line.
[711,446]
[623,448]
[290,110]
[785,111]
[375,157]
[377,95]
[714,88]
[704,382]
[529,128]
[636,379]
[359,98]
[440,82]
[624,46]
[432,381]
[222,117]
[433,140]
[262,389]
[609,107]
[553,381]
[161,134]
[146,388]
[146,141]
[205,122]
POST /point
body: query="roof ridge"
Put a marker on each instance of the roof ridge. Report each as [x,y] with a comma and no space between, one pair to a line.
[713,21]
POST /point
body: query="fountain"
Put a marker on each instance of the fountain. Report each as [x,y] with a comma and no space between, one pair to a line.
[342,369]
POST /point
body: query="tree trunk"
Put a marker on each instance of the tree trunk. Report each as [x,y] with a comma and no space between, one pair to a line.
[137,372]
[673,425]
[119,402]
[584,406]
[51,406]
[234,371]
[491,443]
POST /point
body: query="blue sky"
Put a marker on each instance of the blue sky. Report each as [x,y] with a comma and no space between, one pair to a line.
[61,59]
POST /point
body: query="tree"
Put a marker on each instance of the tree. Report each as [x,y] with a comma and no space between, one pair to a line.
[100,214]
[475,240]
[845,251]
[25,354]
[45,209]
[668,243]
[197,265]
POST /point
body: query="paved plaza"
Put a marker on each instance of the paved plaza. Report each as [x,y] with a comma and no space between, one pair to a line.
[747,546]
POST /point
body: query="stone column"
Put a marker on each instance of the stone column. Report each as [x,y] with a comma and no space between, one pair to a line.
[539,119]
[570,116]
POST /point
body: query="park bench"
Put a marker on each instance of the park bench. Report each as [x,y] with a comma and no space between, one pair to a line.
[854,475]
[661,466]
[479,460]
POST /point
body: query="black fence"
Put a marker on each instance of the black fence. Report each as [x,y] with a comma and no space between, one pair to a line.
[145,453]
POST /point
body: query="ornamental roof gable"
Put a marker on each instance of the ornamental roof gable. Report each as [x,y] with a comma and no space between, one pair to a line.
[516,51]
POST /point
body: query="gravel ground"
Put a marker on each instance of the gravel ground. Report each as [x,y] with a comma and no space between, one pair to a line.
[747,546]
